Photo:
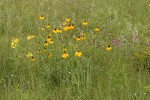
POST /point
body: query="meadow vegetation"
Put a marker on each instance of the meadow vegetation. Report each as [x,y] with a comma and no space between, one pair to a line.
[74,50]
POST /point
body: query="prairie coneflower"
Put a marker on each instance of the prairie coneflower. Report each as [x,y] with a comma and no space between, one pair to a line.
[46,43]
[58,30]
[78,38]
[51,41]
[78,53]
[85,23]
[83,37]
[42,29]
[48,25]
[45,49]
[71,27]
[49,55]
[54,30]
[68,19]
[64,49]
[49,38]
[41,17]
[32,59]
[108,48]
[39,52]
[66,28]
[97,29]
[65,55]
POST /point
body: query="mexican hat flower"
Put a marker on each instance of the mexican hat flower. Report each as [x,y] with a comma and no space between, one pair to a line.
[97,29]
[48,25]
[78,53]
[108,48]
[46,43]
[65,55]
[68,19]
[41,17]
[85,23]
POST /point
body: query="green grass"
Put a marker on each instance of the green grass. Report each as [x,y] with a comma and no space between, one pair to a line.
[120,74]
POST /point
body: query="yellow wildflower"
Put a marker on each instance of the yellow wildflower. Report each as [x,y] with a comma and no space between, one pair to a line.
[39,52]
[97,29]
[58,31]
[32,59]
[49,55]
[16,40]
[72,27]
[64,23]
[149,5]
[29,55]
[41,17]
[65,55]
[46,43]
[78,53]
[50,40]
[14,43]
[108,48]
[68,19]
[64,49]
[66,28]
[85,23]
[78,38]
[54,31]
[70,44]
[69,27]
[83,37]
[42,29]
[45,49]
[48,26]
[29,37]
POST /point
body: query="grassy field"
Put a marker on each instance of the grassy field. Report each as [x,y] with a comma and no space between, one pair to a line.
[74,50]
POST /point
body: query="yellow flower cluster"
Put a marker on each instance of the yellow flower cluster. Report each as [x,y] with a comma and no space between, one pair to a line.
[66,26]
[14,43]
[57,30]
[30,55]
[77,54]
[50,40]
[80,37]
[69,27]
[29,37]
